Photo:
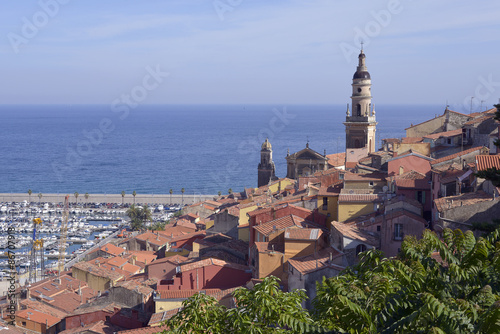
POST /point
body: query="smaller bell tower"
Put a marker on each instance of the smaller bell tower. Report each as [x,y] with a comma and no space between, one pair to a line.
[266,169]
[360,126]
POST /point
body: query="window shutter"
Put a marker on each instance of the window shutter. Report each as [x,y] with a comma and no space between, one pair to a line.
[423,197]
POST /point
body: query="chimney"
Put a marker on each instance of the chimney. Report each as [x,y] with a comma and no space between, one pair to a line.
[133,259]
[331,257]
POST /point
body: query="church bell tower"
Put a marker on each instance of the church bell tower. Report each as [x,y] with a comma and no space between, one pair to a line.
[266,169]
[360,126]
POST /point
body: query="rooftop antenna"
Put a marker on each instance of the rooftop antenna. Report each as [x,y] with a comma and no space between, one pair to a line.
[481,109]
[362,42]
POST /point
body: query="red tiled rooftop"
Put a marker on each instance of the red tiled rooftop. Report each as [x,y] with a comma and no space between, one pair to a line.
[185,294]
[484,162]
[446,203]
[158,318]
[38,317]
[458,154]
[155,238]
[452,133]
[99,271]
[279,224]
[353,232]
[314,262]
[362,198]
[303,233]
[336,159]
[111,249]
[117,261]
[208,262]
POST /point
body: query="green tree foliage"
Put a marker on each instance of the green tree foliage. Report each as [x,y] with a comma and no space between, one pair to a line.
[265,309]
[415,293]
[138,216]
[492,174]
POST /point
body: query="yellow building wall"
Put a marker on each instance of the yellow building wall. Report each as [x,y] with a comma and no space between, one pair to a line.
[161,306]
[352,210]
[209,224]
[97,283]
[426,128]
[271,264]
[332,207]
[244,219]
[282,184]
[298,248]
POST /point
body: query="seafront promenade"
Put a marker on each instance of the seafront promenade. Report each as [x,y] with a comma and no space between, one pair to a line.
[109,198]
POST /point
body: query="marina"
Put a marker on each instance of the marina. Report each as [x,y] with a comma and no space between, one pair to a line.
[88,224]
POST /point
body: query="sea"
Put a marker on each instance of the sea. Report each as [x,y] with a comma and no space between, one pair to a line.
[151,149]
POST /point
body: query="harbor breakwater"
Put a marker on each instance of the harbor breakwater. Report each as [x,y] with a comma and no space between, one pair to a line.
[174,199]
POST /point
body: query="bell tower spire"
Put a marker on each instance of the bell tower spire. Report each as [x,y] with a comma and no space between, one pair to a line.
[361,123]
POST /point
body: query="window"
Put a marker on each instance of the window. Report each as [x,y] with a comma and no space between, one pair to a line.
[371,183]
[360,248]
[325,203]
[378,228]
[359,90]
[448,141]
[420,196]
[398,231]
[358,110]
[24,323]
[107,318]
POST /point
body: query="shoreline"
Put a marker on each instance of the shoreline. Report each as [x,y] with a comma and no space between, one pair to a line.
[108,198]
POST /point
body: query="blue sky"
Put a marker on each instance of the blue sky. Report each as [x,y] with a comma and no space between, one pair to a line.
[251,51]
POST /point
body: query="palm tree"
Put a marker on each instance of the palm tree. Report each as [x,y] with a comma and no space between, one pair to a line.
[29,194]
[171,192]
[76,196]
[123,195]
[86,199]
[39,198]
[133,194]
[182,191]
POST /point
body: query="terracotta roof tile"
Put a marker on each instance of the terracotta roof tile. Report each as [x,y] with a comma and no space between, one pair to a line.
[446,203]
[38,317]
[353,232]
[145,330]
[111,249]
[153,238]
[479,149]
[484,162]
[98,271]
[117,261]
[315,262]
[142,256]
[279,224]
[101,327]
[158,318]
[360,198]
[337,159]
[209,262]
[184,294]
[133,269]
[45,308]
[303,233]
[452,133]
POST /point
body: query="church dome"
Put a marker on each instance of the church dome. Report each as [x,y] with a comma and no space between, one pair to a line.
[266,145]
[361,75]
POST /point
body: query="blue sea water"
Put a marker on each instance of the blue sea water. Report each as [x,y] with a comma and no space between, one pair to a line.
[155,148]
